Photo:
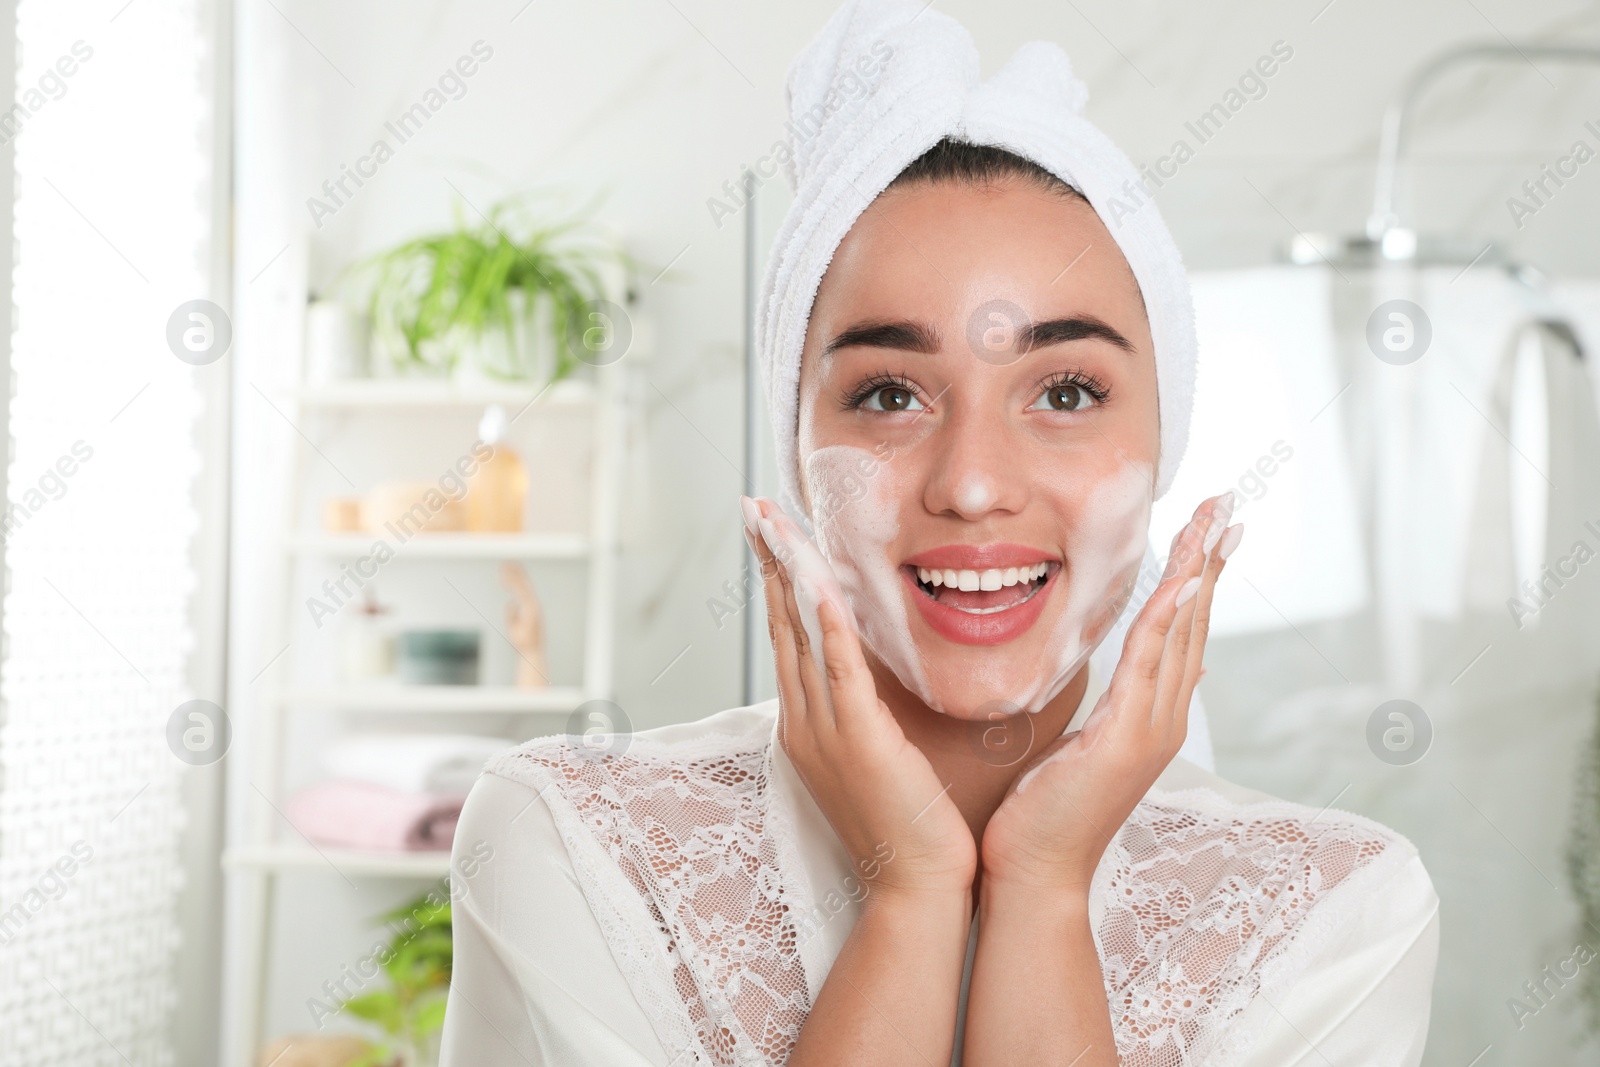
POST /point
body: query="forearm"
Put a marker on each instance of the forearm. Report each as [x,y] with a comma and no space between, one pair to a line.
[1037,995]
[890,998]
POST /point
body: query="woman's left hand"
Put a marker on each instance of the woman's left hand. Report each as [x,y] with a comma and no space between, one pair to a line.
[1050,831]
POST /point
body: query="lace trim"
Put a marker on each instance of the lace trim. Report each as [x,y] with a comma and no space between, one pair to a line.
[1209,904]
[671,846]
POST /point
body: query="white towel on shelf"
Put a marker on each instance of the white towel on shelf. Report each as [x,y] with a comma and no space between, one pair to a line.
[412,763]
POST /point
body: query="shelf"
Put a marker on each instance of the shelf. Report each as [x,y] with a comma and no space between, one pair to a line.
[442,393]
[446,545]
[449,699]
[351,863]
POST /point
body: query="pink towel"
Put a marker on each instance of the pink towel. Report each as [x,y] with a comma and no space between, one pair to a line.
[358,815]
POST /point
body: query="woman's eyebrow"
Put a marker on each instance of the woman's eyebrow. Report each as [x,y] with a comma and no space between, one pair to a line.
[1055,331]
[901,334]
[910,336]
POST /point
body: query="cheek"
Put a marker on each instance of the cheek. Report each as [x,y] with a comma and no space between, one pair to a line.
[856,499]
[854,509]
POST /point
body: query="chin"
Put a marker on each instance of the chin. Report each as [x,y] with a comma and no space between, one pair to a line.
[973,704]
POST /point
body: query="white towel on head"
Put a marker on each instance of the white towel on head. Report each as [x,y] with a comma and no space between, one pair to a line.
[885,81]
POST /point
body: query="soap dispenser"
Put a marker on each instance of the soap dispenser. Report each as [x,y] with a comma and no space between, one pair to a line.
[497,491]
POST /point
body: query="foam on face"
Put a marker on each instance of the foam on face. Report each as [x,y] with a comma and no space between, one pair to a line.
[1103,552]
[857,499]
[855,508]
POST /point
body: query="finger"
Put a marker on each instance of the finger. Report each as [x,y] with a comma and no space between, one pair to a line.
[1183,552]
[798,557]
[1202,625]
[1051,754]
[1133,683]
[850,683]
[780,623]
[1175,660]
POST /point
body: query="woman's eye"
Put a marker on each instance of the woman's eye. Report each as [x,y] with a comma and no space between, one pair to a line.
[1064,397]
[891,398]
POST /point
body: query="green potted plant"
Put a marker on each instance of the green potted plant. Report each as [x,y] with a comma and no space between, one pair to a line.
[503,298]
[416,962]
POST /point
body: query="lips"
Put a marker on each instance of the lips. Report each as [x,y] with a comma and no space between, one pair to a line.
[980,594]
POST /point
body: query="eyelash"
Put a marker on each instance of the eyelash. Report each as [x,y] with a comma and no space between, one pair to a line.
[887,380]
[1087,382]
[881,380]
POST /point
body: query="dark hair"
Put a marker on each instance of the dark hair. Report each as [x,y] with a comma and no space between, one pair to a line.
[979,164]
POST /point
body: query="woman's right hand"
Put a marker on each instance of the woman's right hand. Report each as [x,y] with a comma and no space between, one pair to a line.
[894,817]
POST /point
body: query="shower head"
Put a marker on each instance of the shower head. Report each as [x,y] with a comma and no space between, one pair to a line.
[1388,239]
[1395,246]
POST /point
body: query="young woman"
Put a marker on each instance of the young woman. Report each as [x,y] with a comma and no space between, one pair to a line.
[950,839]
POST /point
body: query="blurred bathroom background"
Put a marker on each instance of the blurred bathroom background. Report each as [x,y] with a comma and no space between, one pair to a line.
[233,724]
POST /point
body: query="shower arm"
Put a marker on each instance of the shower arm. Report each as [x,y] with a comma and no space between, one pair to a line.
[1385,203]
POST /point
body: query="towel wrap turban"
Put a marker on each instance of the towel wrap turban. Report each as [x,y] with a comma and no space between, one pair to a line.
[882,83]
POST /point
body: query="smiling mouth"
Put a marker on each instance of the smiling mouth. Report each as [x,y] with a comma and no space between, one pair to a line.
[984,592]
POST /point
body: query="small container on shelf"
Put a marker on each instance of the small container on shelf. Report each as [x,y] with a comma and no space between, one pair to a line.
[336,342]
[366,651]
[341,514]
[404,509]
[497,492]
[439,657]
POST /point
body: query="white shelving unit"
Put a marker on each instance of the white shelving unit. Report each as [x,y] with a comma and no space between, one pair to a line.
[273,849]
[449,546]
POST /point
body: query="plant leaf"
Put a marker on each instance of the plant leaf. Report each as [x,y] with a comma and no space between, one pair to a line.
[381,1007]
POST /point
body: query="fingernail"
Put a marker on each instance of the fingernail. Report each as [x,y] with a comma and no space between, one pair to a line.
[1230,540]
[752,514]
[1213,534]
[769,531]
[1225,506]
[1187,591]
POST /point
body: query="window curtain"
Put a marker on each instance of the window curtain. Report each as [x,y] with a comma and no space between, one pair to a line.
[111,136]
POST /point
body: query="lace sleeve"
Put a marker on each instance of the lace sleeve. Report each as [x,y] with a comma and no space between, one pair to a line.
[671,845]
[1366,996]
[533,983]
[1213,908]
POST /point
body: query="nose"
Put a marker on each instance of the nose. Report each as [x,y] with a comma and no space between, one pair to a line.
[976,464]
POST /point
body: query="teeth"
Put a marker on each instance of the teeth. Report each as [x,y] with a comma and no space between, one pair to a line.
[991,579]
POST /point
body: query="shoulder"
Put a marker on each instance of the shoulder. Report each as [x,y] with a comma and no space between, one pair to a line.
[1287,856]
[608,779]
[1247,817]
[1226,895]
[603,744]
[1218,898]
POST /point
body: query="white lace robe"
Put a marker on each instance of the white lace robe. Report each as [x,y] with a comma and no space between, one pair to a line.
[680,902]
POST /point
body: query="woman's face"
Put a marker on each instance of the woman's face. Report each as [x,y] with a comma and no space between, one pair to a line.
[978,438]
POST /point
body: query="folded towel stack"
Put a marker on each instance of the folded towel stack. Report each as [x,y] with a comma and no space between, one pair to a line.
[392,792]
[422,763]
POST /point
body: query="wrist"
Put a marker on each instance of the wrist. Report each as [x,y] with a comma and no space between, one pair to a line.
[1000,898]
[892,904]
